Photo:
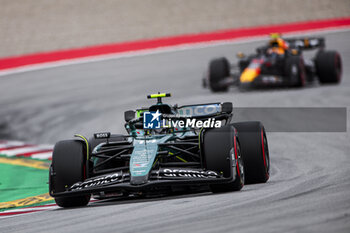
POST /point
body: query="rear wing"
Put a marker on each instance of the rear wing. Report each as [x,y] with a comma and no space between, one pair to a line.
[204,110]
[306,43]
[196,110]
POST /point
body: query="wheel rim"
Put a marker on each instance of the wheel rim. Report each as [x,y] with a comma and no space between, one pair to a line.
[301,74]
[338,67]
[294,70]
[266,151]
[238,166]
[295,73]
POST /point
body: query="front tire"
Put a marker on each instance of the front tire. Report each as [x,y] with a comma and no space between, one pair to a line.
[219,69]
[68,167]
[223,154]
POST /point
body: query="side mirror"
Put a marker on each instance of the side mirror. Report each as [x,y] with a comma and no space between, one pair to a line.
[129,115]
[240,55]
[226,107]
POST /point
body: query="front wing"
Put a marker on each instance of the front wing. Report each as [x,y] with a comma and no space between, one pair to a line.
[164,177]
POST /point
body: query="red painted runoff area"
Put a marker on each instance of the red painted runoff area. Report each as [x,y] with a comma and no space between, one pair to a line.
[139,45]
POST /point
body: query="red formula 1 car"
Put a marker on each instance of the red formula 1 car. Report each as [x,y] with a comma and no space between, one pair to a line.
[279,63]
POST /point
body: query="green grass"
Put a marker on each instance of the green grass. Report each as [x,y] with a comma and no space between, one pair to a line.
[17,182]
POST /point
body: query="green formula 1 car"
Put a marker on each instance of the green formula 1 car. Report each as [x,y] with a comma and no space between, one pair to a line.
[166,149]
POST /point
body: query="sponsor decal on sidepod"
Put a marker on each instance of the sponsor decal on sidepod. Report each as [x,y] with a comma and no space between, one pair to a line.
[168,172]
[102,180]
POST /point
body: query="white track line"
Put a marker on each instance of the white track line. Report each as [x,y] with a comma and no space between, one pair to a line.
[23,211]
[37,151]
[28,149]
[34,209]
[8,144]
[43,207]
[167,49]
[43,155]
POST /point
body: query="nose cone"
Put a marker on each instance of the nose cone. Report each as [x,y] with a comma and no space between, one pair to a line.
[248,75]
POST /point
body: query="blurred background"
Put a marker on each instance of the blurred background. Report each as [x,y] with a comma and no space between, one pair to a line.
[29,26]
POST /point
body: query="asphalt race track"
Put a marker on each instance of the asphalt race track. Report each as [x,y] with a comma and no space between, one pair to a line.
[309,188]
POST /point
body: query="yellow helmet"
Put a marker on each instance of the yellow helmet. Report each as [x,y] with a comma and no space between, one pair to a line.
[277,41]
[274,39]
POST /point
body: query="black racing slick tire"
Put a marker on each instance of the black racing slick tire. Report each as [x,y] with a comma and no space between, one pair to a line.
[255,151]
[68,167]
[219,69]
[295,71]
[222,154]
[328,66]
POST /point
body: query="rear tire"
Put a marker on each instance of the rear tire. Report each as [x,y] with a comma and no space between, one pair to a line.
[68,167]
[328,66]
[222,154]
[295,71]
[255,151]
[219,69]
